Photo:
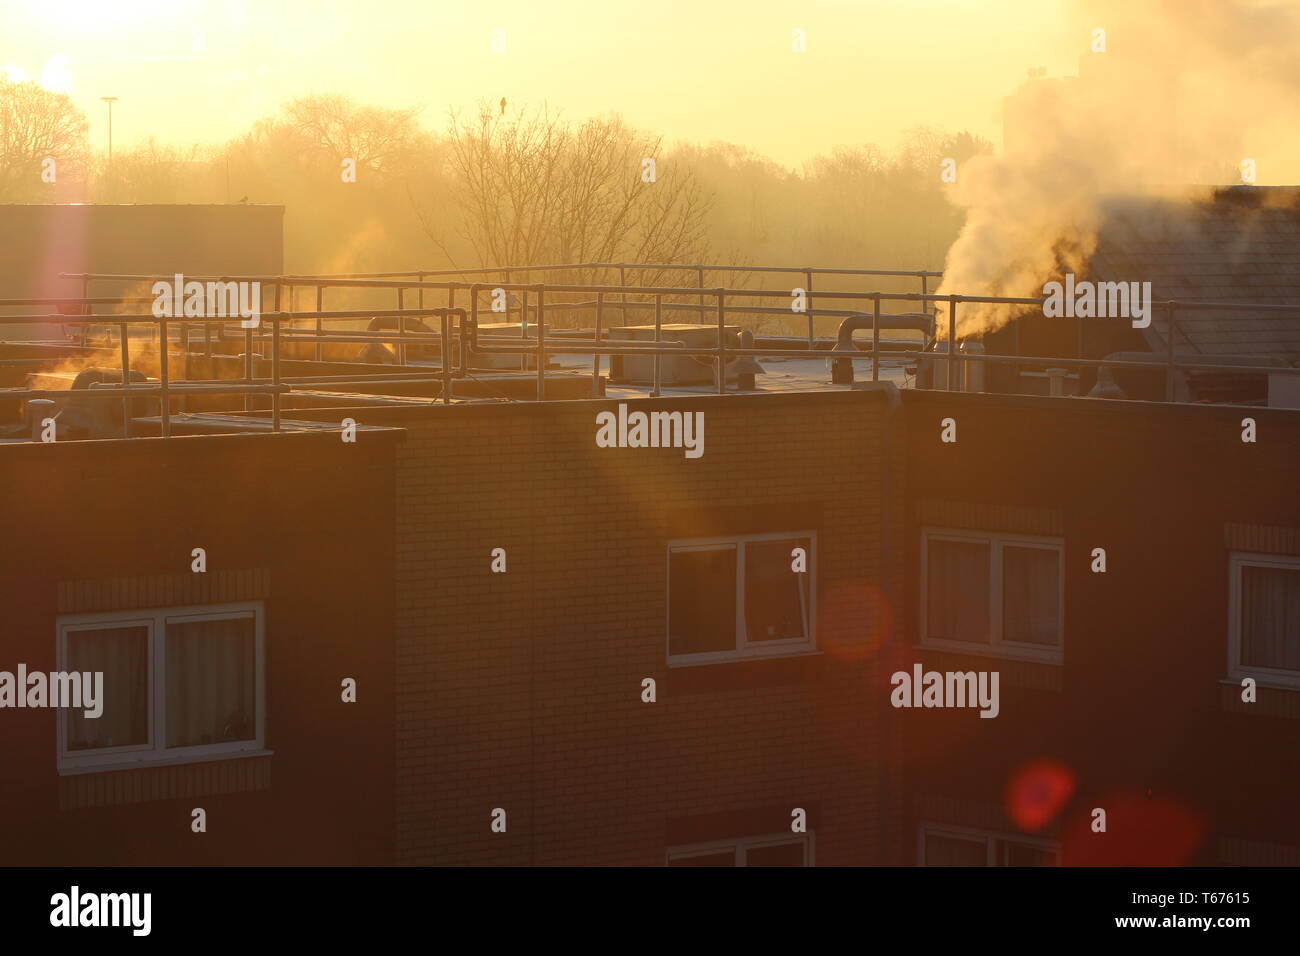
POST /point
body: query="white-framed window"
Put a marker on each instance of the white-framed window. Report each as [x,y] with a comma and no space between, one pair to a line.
[741,596]
[939,844]
[774,849]
[179,684]
[986,592]
[1264,618]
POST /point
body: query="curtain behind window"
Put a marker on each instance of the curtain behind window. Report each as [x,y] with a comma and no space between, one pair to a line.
[1030,595]
[1270,617]
[957,591]
[122,655]
[211,681]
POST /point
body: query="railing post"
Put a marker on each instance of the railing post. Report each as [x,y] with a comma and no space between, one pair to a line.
[506,281]
[699,300]
[446,366]
[126,365]
[952,342]
[275,371]
[451,304]
[1169,370]
[622,281]
[541,342]
[162,379]
[659,311]
[595,359]
[875,338]
[320,298]
[808,284]
[185,362]
[401,327]
[722,342]
[85,309]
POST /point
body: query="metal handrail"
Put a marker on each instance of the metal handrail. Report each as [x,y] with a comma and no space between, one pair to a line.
[541,347]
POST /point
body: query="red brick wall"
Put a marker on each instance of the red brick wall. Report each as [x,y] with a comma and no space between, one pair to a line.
[304,521]
[522,690]
[1136,706]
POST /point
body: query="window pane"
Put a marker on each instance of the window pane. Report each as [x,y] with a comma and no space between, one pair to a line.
[701,601]
[725,858]
[776,598]
[1270,617]
[955,851]
[211,681]
[1031,595]
[1018,854]
[122,655]
[785,854]
[957,590]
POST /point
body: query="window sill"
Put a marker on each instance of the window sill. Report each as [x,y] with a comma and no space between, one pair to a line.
[1271,700]
[144,764]
[997,653]
[744,658]
[1029,675]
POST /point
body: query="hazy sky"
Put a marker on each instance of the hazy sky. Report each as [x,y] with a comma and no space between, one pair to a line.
[699,70]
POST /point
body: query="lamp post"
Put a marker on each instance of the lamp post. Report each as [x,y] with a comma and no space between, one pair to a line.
[110,100]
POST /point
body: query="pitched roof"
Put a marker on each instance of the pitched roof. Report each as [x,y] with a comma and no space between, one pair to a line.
[1239,244]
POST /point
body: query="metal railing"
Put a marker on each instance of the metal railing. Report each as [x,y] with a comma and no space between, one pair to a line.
[459,332]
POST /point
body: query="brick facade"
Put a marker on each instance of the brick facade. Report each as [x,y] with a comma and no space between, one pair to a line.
[522,690]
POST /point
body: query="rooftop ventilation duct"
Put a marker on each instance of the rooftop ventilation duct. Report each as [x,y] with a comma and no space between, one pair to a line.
[842,368]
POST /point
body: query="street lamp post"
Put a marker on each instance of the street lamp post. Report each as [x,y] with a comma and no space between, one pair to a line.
[110,100]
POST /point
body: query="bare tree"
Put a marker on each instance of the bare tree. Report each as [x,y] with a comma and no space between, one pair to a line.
[379,139]
[36,124]
[533,189]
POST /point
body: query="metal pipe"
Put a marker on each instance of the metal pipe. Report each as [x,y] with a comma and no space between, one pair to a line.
[845,350]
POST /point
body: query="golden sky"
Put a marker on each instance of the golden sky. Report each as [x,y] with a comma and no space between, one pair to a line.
[699,70]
